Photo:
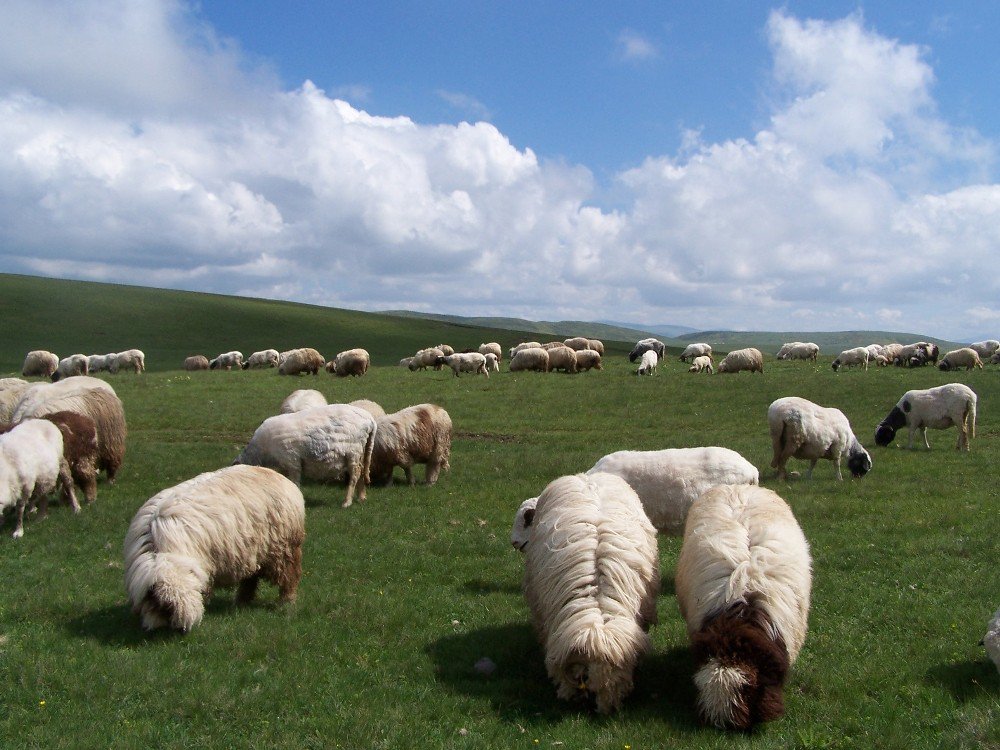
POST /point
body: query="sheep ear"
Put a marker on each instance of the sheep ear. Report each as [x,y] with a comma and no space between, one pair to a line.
[529,516]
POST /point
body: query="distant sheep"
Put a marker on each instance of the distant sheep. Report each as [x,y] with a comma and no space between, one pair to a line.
[491,348]
[39,363]
[802,429]
[536,359]
[302,360]
[648,364]
[743,585]
[577,343]
[222,528]
[966,357]
[492,362]
[99,363]
[227,361]
[418,434]
[426,358]
[912,355]
[550,345]
[703,363]
[71,366]
[196,362]
[804,350]
[446,349]
[132,359]
[986,349]
[952,405]
[473,362]
[524,345]
[695,350]
[644,345]
[591,580]
[406,362]
[563,358]
[31,465]
[586,360]
[353,362]
[743,359]
[783,351]
[262,359]
[851,357]
[304,398]
[992,639]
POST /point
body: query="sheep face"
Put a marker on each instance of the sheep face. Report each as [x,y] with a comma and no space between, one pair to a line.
[836,364]
[55,376]
[859,462]
[520,535]
[885,433]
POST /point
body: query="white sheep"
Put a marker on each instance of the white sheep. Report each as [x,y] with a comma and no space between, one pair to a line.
[596,345]
[418,434]
[966,357]
[743,586]
[407,362]
[131,359]
[11,390]
[648,364]
[426,358]
[695,350]
[524,345]
[577,343]
[491,348]
[31,465]
[875,351]
[783,351]
[986,349]
[892,351]
[591,358]
[302,360]
[71,366]
[228,361]
[534,358]
[591,580]
[803,350]
[951,405]
[563,358]
[99,363]
[644,345]
[743,359]
[353,362]
[262,359]
[668,481]
[992,639]
[304,398]
[39,363]
[473,362]
[232,526]
[327,443]
[802,429]
[492,362]
[857,355]
[446,349]
[702,363]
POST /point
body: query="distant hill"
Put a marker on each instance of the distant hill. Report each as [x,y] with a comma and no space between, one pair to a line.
[659,330]
[829,342]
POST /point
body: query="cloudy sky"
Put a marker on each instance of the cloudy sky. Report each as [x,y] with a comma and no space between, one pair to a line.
[806,166]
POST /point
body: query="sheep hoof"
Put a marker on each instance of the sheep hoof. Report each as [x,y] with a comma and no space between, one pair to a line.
[794,475]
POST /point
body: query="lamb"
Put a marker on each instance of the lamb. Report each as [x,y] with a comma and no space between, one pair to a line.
[227,361]
[588,359]
[743,359]
[986,349]
[668,481]
[648,364]
[262,359]
[71,366]
[802,429]
[850,357]
[703,363]
[11,390]
[491,348]
[743,586]
[473,362]
[695,350]
[577,343]
[992,639]
[232,526]
[492,362]
[591,580]
[563,358]
[805,350]
[133,359]
[326,443]
[536,359]
[304,398]
[39,363]
[302,360]
[966,357]
[418,434]
[644,345]
[31,465]
[939,408]
[524,345]
[353,362]
[196,362]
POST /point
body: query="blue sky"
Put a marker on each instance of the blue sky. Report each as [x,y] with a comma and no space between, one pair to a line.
[811,166]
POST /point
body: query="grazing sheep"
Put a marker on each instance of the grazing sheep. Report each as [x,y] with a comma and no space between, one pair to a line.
[369,406]
[851,357]
[563,358]
[196,362]
[668,481]
[302,360]
[492,362]
[491,348]
[577,343]
[473,362]
[875,351]
[353,362]
[695,350]
[550,345]
[596,345]
[591,579]
[743,586]
[426,358]
[588,359]
[132,359]
[992,639]
[262,359]
[536,359]
[228,361]
[407,362]
[986,349]
[966,357]
[11,390]
[892,351]
[524,345]
[418,434]
[446,350]
[804,350]
[304,398]
[221,528]
[39,363]
[71,366]
[99,363]
[802,429]
[743,359]
[327,443]
[939,408]
[995,359]
[783,351]
[648,364]
[31,464]
[698,364]
[644,345]
[915,354]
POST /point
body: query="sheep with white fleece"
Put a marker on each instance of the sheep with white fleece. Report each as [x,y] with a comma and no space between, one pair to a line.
[596,345]
[563,358]
[262,359]
[426,358]
[302,360]
[783,351]
[858,355]
[71,366]
[418,434]
[743,585]
[648,364]
[493,348]
[39,363]
[303,398]
[695,350]
[986,349]
[353,363]
[644,345]
[369,406]
[702,363]
[31,465]
[966,357]
[99,363]
[492,362]
[591,358]
[473,362]
[951,405]
[591,579]
[801,429]
[524,345]
[229,527]
[196,362]
[749,359]
[577,343]
[803,350]
[227,361]
[533,358]
[326,443]
[131,359]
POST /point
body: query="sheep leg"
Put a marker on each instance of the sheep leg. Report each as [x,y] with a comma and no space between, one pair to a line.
[288,574]
[963,437]
[19,526]
[836,466]
[410,479]
[431,472]
[247,589]
[926,444]
[812,465]
[66,478]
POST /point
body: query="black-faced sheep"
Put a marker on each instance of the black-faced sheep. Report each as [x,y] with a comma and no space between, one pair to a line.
[695,350]
[591,580]
[353,362]
[966,357]
[39,363]
[222,528]
[418,434]
[802,429]
[196,362]
[533,358]
[743,359]
[951,405]
[644,345]
[31,465]
[743,585]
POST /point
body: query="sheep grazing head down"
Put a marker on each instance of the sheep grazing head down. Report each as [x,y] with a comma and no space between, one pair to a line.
[520,535]
[885,433]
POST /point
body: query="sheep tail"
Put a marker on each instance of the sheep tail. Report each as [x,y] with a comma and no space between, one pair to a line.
[778,444]
[366,465]
[970,416]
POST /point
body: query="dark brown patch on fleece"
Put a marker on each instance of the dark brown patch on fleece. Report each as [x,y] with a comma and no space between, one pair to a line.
[739,638]
[79,448]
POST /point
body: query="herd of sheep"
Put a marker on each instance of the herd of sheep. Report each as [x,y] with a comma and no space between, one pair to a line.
[591,574]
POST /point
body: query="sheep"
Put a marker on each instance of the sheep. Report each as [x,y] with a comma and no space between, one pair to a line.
[644,345]
[369,406]
[743,587]
[668,481]
[524,345]
[948,405]
[850,357]
[426,358]
[992,639]
[986,349]
[133,359]
[492,362]
[39,363]
[418,434]
[446,350]
[99,363]
[473,362]
[11,390]
[196,362]
[695,350]
[802,429]
[782,353]
[921,351]
[228,361]
[703,363]
[577,343]
[891,351]
[550,345]
[966,357]
[875,351]
[648,364]
[743,359]
[596,345]
[31,465]
[588,359]
[491,347]
[71,366]
[304,398]
[591,580]
[536,359]
[563,358]
[326,443]
[232,526]
[302,360]
[995,359]
[520,533]
[804,350]
[353,362]
[407,362]
[262,359]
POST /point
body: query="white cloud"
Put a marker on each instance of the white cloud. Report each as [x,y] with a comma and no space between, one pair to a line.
[632,46]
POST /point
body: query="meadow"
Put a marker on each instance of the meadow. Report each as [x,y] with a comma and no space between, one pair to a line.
[404,593]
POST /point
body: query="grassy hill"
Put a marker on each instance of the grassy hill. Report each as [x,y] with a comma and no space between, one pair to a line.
[829,342]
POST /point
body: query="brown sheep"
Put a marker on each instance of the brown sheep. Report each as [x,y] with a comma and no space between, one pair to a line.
[419,434]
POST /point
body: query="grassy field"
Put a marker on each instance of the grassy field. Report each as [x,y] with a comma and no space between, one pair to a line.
[404,593]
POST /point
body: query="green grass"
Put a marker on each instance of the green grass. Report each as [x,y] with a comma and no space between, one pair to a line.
[404,593]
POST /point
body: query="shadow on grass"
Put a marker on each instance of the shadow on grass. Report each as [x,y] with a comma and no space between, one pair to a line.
[479,586]
[965,680]
[520,691]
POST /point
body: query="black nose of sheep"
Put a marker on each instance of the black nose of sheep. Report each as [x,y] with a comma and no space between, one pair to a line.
[884,435]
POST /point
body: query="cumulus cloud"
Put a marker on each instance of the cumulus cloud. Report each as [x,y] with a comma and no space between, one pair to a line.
[632,46]
[137,145]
